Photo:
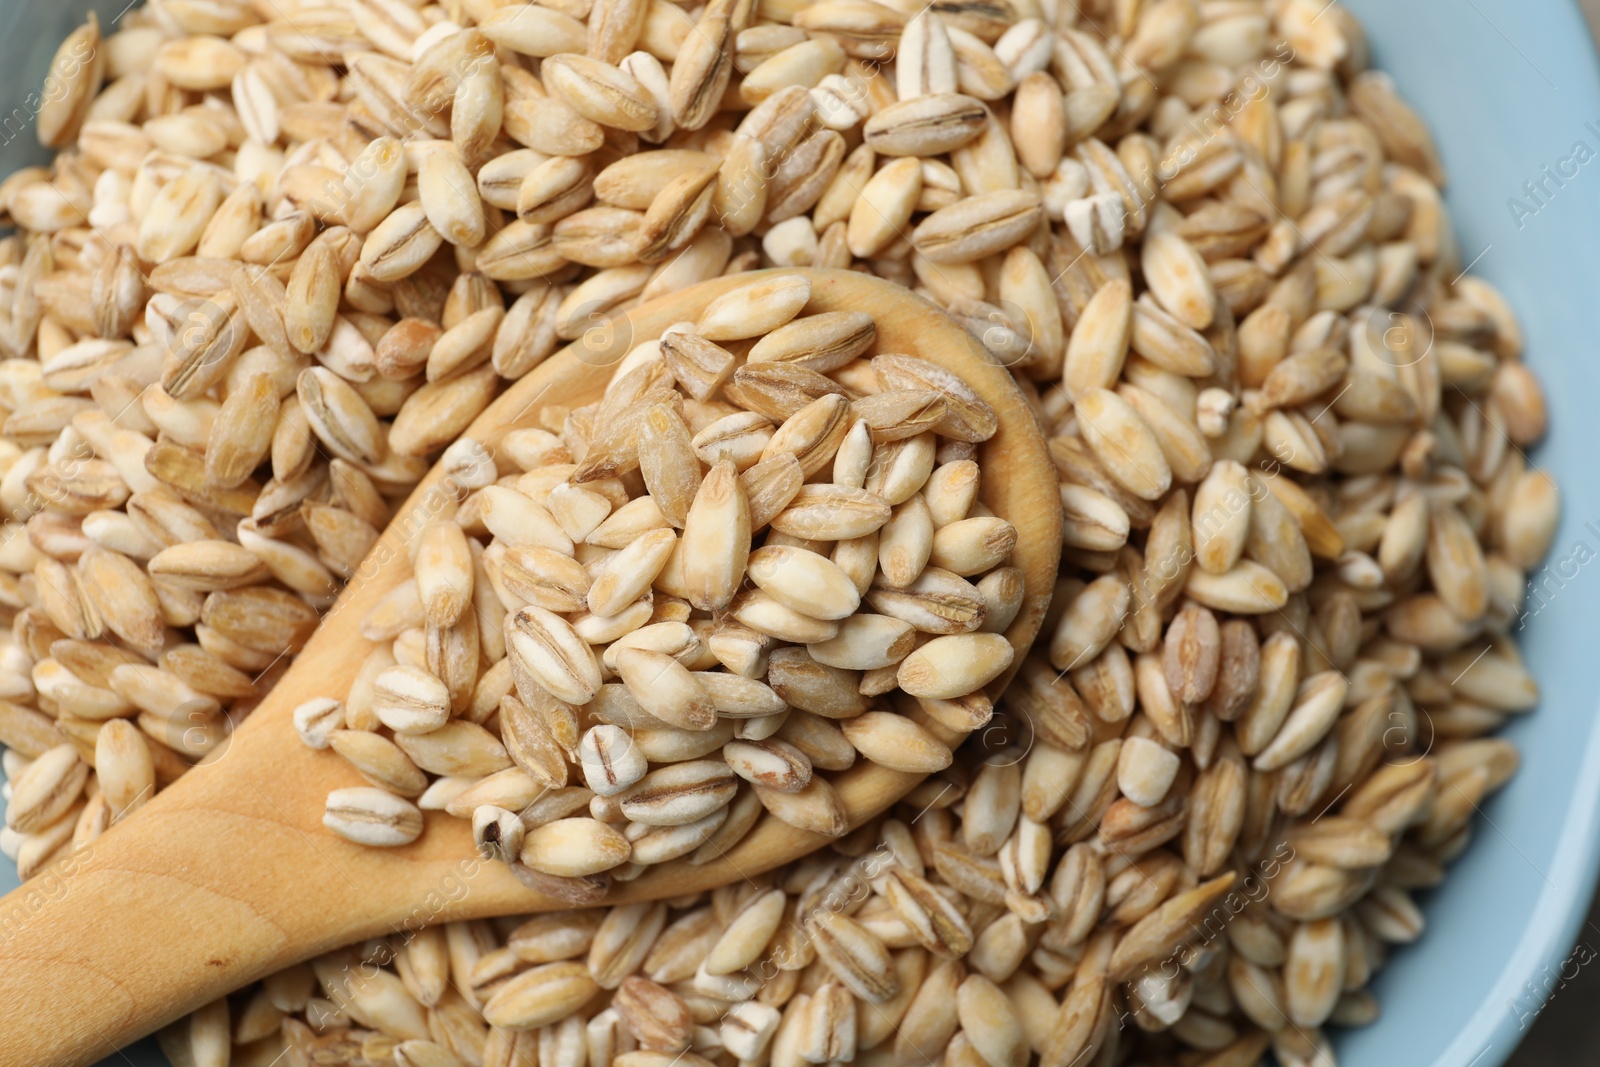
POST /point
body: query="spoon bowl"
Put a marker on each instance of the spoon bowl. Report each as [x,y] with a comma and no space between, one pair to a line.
[229,875]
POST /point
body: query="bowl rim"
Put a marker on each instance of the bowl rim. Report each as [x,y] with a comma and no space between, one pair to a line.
[1554,37]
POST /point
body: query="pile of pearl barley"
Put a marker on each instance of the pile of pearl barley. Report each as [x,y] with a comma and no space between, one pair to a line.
[285,257]
[723,571]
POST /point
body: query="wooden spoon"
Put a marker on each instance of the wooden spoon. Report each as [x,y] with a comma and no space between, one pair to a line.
[229,875]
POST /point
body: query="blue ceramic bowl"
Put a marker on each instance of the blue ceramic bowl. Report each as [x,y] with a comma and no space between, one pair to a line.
[1512,90]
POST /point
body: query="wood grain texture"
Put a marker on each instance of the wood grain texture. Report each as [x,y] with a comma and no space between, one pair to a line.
[229,875]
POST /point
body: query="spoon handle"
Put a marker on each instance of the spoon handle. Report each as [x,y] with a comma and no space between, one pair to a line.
[227,875]
[224,877]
